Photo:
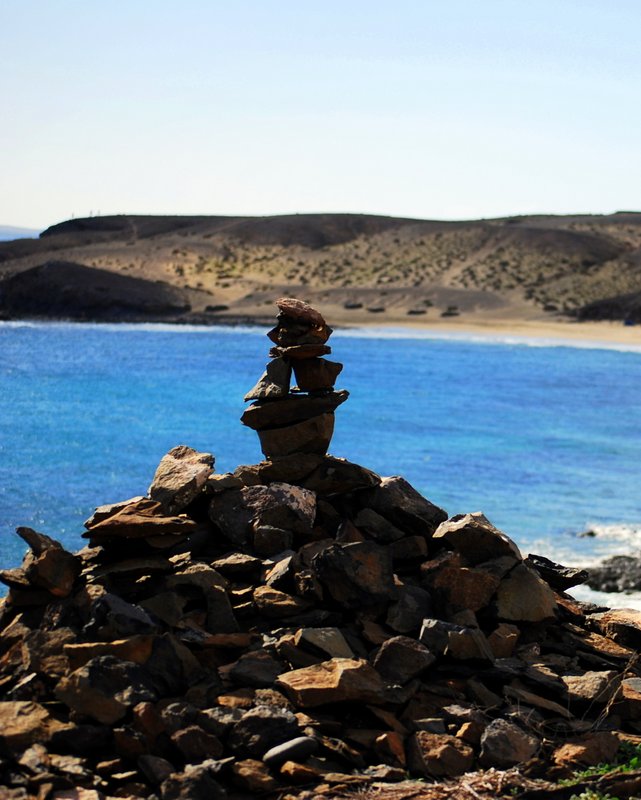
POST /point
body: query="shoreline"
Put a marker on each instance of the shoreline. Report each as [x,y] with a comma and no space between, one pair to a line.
[606,334]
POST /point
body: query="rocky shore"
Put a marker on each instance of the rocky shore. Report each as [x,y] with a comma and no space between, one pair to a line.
[302,627]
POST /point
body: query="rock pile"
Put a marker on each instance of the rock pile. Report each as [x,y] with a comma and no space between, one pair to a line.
[301,622]
[299,420]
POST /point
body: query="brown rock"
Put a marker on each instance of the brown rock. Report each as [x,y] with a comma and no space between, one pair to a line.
[301,311]
[409,548]
[196,744]
[108,510]
[412,606]
[105,689]
[136,648]
[139,520]
[468,644]
[465,587]
[270,541]
[274,604]
[504,745]
[338,476]
[273,383]
[328,641]
[299,773]
[180,477]
[587,751]
[261,728]
[591,687]
[196,782]
[310,436]
[503,640]
[258,669]
[629,697]
[356,575]
[291,409]
[438,755]
[400,503]
[475,538]
[285,469]
[23,723]
[621,624]
[377,526]
[400,659]
[300,351]
[316,374]
[523,596]
[252,775]
[333,681]
[390,748]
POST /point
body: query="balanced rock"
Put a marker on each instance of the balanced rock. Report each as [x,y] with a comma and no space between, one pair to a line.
[180,477]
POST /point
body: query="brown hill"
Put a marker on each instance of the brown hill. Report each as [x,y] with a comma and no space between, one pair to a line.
[359,267]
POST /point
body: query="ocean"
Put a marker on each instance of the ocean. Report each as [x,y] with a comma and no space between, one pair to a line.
[542,436]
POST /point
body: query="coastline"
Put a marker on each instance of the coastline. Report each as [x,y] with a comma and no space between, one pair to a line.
[604,335]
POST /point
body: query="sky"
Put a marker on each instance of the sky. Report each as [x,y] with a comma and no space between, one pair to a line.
[448,109]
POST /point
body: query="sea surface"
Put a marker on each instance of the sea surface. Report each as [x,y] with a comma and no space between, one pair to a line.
[542,436]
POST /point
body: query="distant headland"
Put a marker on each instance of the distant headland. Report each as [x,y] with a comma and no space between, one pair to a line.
[518,273]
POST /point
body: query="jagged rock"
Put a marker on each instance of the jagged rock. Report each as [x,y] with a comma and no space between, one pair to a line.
[400,659]
[260,729]
[377,526]
[411,607]
[439,755]
[48,566]
[328,641]
[195,744]
[464,587]
[587,751]
[291,409]
[333,681]
[338,476]
[434,634]
[258,669]
[503,640]
[301,311]
[523,596]
[475,538]
[111,617]
[316,374]
[196,782]
[400,503]
[155,769]
[180,477]
[556,575]
[309,436]
[109,509]
[270,541]
[275,605]
[468,643]
[273,383]
[105,688]
[300,351]
[279,505]
[23,723]
[591,687]
[144,518]
[623,625]
[504,744]
[356,575]
[629,698]
[253,775]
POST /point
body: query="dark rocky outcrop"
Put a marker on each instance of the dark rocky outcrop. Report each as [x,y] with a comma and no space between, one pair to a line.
[63,289]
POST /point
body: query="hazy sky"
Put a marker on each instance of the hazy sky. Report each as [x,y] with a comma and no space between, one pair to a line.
[449,109]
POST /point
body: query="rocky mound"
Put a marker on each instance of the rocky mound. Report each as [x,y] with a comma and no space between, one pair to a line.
[301,621]
[75,291]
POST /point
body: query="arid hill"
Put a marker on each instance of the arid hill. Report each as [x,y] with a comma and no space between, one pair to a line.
[358,267]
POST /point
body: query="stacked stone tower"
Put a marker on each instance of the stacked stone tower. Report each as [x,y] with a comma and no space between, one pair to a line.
[297,419]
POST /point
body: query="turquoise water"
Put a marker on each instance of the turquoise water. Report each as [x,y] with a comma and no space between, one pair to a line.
[543,439]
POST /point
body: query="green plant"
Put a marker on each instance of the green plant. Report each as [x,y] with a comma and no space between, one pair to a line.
[590,794]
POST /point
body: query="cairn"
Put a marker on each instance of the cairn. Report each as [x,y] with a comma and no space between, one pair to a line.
[299,419]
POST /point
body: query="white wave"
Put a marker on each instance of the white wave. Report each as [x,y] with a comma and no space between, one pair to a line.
[120,327]
[609,599]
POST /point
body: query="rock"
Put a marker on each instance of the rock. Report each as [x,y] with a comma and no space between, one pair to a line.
[400,659]
[196,782]
[591,687]
[377,526]
[338,476]
[135,648]
[464,587]
[196,744]
[434,634]
[254,776]
[475,538]
[105,689]
[587,751]
[274,604]
[400,503]
[412,606]
[316,374]
[297,749]
[629,697]
[49,566]
[438,755]
[270,541]
[623,625]
[523,596]
[24,723]
[155,769]
[616,574]
[468,644]
[556,575]
[279,505]
[291,409]
[327,641]
[111,617]
[301,351]
[504,745]
[334,681]
[180,477]
[503,640]
[141,519]
[300,311]
[108,510]
[258,669]
[273,383]
[309,436]
[356,575]
[260,729]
